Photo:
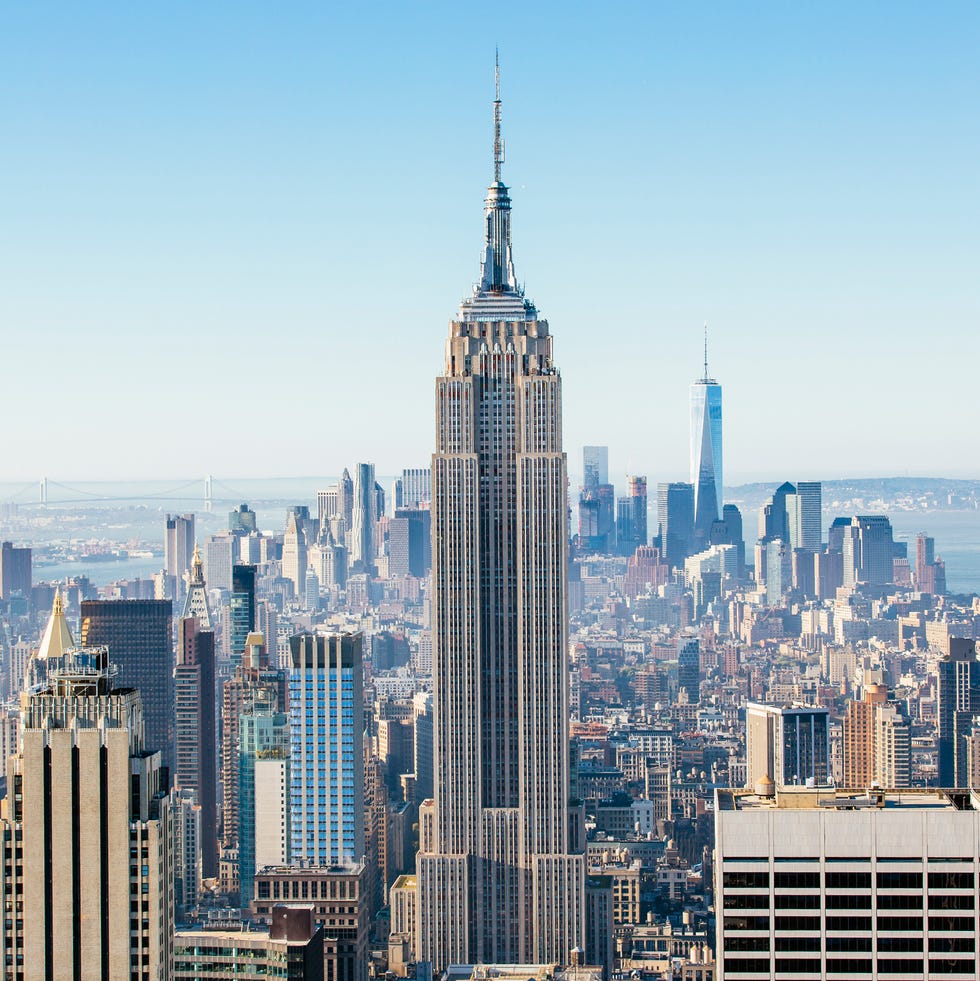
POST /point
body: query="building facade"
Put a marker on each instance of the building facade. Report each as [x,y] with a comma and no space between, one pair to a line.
[497,880]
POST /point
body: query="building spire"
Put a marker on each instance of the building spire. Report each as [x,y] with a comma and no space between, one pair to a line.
[706,350]
[498,143]
[498,264]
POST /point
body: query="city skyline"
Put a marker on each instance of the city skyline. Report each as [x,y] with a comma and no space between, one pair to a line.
[783,174]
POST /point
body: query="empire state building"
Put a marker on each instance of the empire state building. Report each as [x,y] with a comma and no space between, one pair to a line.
[498,881]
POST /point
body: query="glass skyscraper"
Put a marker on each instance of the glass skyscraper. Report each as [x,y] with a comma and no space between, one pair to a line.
[326,721]
[706,459]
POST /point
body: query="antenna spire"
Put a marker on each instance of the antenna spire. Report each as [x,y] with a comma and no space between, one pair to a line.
[706,350]
[498,143]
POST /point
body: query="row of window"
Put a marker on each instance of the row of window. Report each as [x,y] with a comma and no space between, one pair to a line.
[937,924]
[848,880]
[848,966]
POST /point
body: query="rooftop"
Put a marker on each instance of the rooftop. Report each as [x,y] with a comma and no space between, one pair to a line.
[839,799]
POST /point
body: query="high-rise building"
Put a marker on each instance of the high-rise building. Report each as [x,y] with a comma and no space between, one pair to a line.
[869,551]
[219,557]
[178,548]
[859,732]
[595,466]
[410,542]
[496,877]
[631,517]
[263,788]
[957,702]
[326,717]
[416,488]
[85,829]
[15,570]
[787,745]
[242,521]
[364,518]
[194,715]
[846,884]
[675,519]
[241,607]
[706,447]
[804,516]
[689,668]
[253,679]
[294,555]
[137,633]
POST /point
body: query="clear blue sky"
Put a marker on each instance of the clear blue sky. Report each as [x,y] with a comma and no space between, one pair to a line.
[233,234]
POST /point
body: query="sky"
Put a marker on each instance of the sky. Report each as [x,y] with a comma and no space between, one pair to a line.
[232,235]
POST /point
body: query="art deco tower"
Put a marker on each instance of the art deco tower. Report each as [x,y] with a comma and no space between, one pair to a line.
[496,877]
[706,458]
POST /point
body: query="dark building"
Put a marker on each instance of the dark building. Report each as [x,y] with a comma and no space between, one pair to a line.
[137,633]
[242,604]
[958,691]
[196,753]
[689,668]
[242,521]
[675,517]
[410,542]
[15,571]
[631,517]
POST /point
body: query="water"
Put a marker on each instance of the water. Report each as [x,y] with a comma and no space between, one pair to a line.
[957,535]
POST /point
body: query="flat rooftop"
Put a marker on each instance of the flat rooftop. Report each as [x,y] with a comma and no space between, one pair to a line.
[840,799]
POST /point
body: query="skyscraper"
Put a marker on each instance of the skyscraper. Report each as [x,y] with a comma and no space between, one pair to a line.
[958,700]
[86,828]
[194,714]
[706,458]
[595,466]
[15,570]
[137,633]
[675,518]
[496,879]
[178,548]
[787,745]
[294,555]
[364,517]
[326,720]
[241,606]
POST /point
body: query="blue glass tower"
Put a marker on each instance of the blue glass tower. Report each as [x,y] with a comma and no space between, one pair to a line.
[706,460]
[326,721]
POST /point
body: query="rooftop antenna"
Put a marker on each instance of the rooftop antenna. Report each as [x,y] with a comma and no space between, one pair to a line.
[706,350]
[498,143]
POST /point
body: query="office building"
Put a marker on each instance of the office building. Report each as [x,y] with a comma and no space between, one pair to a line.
[15,571]
[291,947]
[410,542]
[957,702]
[869,551]
[194,714]
[675,521]
[241,609]
[416,488]
[597,519]
[804,515]
[787,745]
[595,466]
[631,517]
[338,897]
[85,829]
[496,877]
[364,519]
[263,788]
[253,679]
[706,451]
[689,668]
[220,552]
[828,883]
[294,555]
[326,717]
[178,548]
[138,635]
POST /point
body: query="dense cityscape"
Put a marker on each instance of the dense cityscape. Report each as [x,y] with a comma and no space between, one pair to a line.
[495,716]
